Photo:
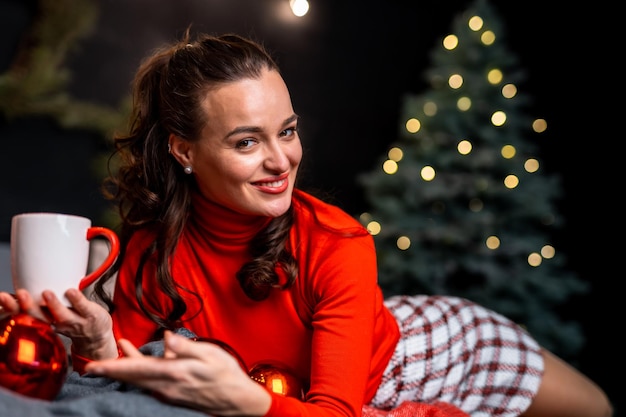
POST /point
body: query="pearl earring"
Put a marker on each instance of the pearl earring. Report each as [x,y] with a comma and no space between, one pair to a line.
[187,169]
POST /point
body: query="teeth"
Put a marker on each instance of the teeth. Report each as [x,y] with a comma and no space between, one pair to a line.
[272,184]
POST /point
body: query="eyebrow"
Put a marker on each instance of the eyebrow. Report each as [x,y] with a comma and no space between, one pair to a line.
[255,129]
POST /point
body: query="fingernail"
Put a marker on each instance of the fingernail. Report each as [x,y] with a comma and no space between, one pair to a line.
[172,340]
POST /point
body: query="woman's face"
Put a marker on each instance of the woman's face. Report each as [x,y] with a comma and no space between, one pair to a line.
[248,156]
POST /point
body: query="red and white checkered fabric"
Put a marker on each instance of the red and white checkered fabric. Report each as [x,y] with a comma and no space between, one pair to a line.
[458,352]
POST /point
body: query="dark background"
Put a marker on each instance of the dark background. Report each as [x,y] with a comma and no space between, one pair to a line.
[348,64]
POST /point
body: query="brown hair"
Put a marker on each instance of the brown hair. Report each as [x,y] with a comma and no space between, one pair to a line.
[150,187]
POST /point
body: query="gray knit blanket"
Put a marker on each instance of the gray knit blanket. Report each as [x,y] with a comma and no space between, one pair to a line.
[91,396]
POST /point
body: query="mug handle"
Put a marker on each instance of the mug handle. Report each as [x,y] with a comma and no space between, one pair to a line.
[114,251]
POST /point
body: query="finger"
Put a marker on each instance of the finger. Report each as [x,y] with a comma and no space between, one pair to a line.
[80,306]
[24,299]
[79,302]
[128,349]
[168,353]
[63,317]
[132,369]
[27,305]
[8,303]
[58,311]
[180,346]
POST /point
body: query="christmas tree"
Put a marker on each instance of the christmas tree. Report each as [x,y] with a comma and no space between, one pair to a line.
[461,204]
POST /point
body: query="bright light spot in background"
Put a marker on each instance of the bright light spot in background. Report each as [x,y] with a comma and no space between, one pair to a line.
[493,242]
[498,118]
[475,23]
[403,243]
[488,37]
[548,251]
[464,147]
[299,7]
[373,228]
[540,125]
[413,125]
[495,76]
[390,167]
[534,259]
[450,42]
[507,151]
[464,103]
[531,165]
[395,154]
[511,181]
[428,173]
[455,81]
[509,91]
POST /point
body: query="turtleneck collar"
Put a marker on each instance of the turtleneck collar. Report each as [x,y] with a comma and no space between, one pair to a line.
[222,223]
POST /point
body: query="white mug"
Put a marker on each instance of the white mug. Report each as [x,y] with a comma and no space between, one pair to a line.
[50,251]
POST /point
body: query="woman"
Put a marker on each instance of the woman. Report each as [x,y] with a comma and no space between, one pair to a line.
[217,239]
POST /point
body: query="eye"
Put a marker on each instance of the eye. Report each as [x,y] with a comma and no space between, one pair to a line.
[245,143]
[290,131]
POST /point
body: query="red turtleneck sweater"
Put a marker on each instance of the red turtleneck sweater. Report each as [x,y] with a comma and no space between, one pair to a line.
[331,328]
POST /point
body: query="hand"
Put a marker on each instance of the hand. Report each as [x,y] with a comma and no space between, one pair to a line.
[197,375]
[87,323]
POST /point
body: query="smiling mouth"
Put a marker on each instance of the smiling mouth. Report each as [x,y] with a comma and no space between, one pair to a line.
[271,184]
[276,186]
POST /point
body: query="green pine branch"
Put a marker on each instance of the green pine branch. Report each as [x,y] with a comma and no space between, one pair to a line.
[36,83]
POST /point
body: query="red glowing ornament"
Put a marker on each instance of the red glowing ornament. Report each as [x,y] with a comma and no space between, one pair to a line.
[273,376]
[33,358]
[277,379]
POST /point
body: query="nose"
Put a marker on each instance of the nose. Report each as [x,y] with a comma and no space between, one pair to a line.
[276,157]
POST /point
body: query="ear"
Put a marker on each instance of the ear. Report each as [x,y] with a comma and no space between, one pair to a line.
[180,149]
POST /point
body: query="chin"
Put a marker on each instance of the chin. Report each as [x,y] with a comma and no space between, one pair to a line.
[278,208]
[276,212]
